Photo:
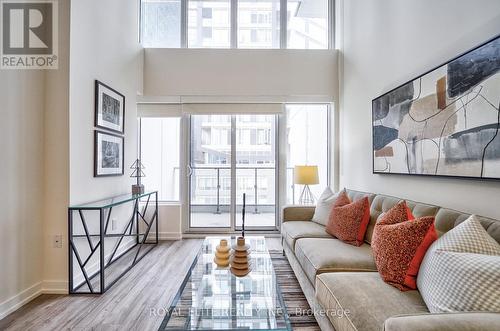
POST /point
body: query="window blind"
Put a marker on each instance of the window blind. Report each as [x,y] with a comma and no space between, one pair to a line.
[159,110]
[176,110]
[232,108]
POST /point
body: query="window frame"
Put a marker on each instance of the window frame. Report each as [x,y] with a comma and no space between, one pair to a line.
[187,202]
[281,165]
[234,25]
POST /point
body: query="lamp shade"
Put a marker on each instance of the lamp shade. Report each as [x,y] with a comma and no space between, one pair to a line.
[306,175]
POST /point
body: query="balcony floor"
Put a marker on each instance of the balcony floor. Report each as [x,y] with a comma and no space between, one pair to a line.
[208,220]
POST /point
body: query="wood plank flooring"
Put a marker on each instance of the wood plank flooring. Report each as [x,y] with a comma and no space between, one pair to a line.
[128,305]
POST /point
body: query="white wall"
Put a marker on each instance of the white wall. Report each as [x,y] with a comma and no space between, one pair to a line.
[169,225]
[104,46]
[34,148]
[240,72]
[108,50]
[386,43]
[21,202]
[35,142]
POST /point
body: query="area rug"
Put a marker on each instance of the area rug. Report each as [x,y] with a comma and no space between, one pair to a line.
[298,308]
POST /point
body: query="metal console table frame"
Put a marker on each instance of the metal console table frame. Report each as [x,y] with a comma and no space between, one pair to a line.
[132,229]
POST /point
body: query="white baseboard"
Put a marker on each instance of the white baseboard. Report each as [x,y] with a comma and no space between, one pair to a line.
[60,286]
[168,235]
[19,300]
[55,287]
[46,287]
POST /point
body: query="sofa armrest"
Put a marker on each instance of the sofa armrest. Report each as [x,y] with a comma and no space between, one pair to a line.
[444,322]
[297,213]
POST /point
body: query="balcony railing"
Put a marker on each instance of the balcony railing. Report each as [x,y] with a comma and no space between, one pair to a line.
[218,179]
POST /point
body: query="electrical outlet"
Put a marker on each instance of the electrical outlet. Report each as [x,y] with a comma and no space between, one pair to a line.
[57,243]
[113,224]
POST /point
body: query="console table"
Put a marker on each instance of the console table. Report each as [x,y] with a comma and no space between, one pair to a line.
[109,237]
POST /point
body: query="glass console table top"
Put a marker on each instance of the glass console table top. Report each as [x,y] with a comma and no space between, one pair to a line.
[212,298]
[111,202]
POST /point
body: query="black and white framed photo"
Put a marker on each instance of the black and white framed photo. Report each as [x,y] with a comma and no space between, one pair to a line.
[108,154]
[109,108]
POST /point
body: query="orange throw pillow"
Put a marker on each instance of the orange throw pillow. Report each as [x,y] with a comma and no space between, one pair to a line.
[348,220]
[399,244]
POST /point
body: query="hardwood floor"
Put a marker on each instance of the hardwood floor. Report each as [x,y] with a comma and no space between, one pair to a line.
[128,305]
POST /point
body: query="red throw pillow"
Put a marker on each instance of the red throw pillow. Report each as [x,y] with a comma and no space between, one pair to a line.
[399,244]
[348,220]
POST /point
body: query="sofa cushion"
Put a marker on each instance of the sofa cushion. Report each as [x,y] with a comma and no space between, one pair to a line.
[382,203]
[291,231]
[317,255]
[348,220]
[324,206]
[444,322]
[297,213]
[447,219]
[461,271]
[357,195]
[362,301]
[399,243]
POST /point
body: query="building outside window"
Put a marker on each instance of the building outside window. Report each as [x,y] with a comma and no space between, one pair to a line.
[258,24]
[209,24]
[306,137]
[206,12]
[307,24]
[161,23]
[253,151]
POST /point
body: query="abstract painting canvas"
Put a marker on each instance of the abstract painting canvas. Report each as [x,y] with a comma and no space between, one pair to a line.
[445,122]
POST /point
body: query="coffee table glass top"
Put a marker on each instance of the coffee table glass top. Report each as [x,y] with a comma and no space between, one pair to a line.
[212,298]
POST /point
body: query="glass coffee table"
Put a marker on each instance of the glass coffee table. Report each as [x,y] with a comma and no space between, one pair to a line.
[212,298]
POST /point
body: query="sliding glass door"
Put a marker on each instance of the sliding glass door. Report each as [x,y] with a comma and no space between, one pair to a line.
[210,171]
[232,155]
[256,170]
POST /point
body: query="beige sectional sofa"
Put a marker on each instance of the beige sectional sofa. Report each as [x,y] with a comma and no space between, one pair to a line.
[343,286]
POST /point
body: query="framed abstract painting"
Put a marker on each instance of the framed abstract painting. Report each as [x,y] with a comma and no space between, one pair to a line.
[445,122]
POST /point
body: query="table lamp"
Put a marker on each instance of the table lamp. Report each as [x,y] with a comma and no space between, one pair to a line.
[306,175]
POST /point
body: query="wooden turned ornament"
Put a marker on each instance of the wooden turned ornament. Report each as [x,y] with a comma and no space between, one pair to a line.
[222,254]
[240,260]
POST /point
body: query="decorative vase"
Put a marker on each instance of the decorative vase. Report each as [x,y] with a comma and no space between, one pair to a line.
[222,254]
[240,260]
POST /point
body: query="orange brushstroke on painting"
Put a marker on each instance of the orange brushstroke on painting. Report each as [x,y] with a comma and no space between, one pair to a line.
[441,92]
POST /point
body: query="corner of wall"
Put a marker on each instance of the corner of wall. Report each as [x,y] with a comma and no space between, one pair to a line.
[339,109]
[56,160]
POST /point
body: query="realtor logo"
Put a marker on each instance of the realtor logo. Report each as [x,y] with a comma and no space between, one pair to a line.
[29,34]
